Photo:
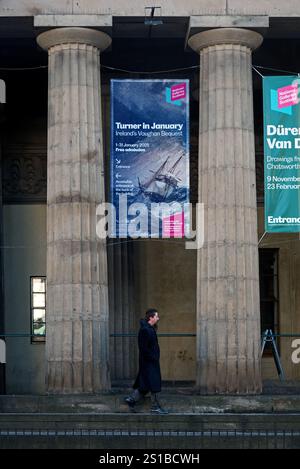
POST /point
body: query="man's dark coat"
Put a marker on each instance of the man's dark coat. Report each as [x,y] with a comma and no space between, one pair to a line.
[149,377]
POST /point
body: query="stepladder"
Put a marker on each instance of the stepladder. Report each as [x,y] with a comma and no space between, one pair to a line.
[269,337]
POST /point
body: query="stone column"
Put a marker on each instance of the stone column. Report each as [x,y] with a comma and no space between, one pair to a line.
[77,337]
[228,310]
[2,318]
[123,309]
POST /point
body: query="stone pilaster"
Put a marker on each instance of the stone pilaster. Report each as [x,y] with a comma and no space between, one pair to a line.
[228,311]
[124,354]
[123,350]
[2,318]
[77,342]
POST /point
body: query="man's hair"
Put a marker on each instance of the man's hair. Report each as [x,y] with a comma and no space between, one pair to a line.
[150,313]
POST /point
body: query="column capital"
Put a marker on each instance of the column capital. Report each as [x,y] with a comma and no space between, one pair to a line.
[88,36]
[213,37]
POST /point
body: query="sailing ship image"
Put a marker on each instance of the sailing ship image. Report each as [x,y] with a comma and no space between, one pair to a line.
[164,184]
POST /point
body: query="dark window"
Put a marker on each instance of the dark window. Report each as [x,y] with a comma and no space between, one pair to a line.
[38,308]
[269,300]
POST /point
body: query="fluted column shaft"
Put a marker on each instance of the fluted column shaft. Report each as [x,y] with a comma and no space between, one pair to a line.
[77,341]
[2,319]
[228,311]
[124,354]
[123,350]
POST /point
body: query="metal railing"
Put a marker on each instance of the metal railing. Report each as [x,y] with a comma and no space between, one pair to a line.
[117,334]
[262,439]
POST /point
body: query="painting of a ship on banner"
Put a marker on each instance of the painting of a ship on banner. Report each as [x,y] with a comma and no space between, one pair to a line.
[164,183]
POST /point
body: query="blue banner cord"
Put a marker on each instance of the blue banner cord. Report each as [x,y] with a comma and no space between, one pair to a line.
[257,71]
[261,238]
[255,67]
[273,70]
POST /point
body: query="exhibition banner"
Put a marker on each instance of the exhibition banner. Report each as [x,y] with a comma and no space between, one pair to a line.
[282,153]
[149,157]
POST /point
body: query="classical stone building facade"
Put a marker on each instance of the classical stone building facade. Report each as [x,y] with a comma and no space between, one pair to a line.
[55,171]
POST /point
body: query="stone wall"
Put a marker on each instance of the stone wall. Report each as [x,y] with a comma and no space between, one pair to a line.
[24,256]
[167,281]
[275,8]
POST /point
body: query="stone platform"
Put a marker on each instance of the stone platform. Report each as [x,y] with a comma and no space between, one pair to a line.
[194,421]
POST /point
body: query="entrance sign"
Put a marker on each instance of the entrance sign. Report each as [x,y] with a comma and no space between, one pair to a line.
[282,153]
[149,156]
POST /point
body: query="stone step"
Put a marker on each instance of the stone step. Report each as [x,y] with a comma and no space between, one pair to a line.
[183,402]
[194,421]
[148,421]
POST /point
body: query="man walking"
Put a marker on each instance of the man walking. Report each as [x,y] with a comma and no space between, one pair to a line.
[149,377]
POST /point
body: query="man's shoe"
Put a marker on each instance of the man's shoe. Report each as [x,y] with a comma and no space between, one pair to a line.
[158,410]
[129,399]
[131,403]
